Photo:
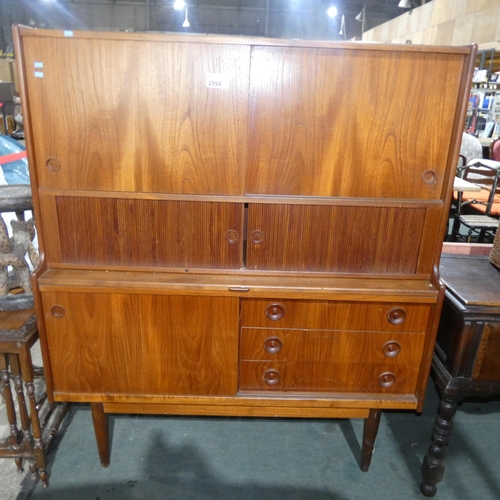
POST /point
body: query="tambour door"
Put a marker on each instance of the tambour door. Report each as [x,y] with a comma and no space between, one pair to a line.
[142,344]
[357,122]
[124,232]
[137,115]
[342,239]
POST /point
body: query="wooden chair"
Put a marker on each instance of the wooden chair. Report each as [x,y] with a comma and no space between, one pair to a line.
[477,213]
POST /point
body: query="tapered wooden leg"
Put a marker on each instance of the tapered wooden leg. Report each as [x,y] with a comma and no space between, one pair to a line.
[433,464]
[369,435]
[101,429]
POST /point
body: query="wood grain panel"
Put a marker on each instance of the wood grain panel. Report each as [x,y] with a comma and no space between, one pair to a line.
[339,239]
[487,365]
[326,346]
[364,124]
[142,344]
[129,116]
[127,232]
[235,411]
[328,377]
[326,315]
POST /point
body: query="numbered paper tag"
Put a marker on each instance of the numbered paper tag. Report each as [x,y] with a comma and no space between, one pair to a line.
[217,81]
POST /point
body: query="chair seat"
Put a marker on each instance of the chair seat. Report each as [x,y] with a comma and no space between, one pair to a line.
[479,221]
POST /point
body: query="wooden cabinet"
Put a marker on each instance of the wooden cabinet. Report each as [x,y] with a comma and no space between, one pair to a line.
[237,226]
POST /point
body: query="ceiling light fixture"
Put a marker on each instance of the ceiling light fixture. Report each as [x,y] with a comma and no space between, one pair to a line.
[342,27]
[179,4]
[186,23]
[332,12]
[404,4]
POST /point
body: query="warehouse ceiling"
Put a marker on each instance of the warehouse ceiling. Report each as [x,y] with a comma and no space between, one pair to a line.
[272,18]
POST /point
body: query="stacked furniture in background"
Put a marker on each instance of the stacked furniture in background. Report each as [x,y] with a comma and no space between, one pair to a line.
[236,226]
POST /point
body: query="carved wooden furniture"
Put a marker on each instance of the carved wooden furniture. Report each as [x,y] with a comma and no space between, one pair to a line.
[237,226]
[18,333]
[467,355]
[14,250]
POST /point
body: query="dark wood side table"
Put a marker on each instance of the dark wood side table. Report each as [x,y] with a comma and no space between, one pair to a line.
[18,333]
[466,359]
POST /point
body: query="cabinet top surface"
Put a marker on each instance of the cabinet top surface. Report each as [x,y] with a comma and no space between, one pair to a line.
[472,279]
[239,40]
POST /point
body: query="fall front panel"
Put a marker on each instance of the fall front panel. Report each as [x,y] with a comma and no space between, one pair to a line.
[156,233]
[142,344]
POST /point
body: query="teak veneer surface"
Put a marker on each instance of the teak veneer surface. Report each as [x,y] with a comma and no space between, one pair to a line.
[188,227]
[150,344]
[324,345]
[360,315]
[71,280]
[375,135]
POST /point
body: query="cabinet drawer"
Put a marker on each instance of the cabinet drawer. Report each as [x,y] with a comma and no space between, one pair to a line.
[326,346]
[375,317]
[327,377]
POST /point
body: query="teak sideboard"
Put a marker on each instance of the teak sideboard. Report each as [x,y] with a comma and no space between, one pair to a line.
[239,226]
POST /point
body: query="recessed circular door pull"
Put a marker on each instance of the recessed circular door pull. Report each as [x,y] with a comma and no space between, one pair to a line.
[257,237]
[53,164]
[232,236]
[58,311]
[429,176]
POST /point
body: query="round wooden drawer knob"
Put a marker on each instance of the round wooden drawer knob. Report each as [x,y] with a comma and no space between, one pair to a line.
[275,312]
[387,379]
[396,316]
[53,164]
[391,349]
[271,376]
[273,345]
[58,312]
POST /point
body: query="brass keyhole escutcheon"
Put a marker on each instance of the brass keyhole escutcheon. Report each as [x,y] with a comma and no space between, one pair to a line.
[271,376]
[275,312]
[273,345]
[58,311]
[396,316]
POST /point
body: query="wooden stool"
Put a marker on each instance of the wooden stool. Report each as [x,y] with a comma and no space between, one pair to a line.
[18,333]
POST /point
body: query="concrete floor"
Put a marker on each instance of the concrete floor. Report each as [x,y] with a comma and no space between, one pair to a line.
[156,457]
